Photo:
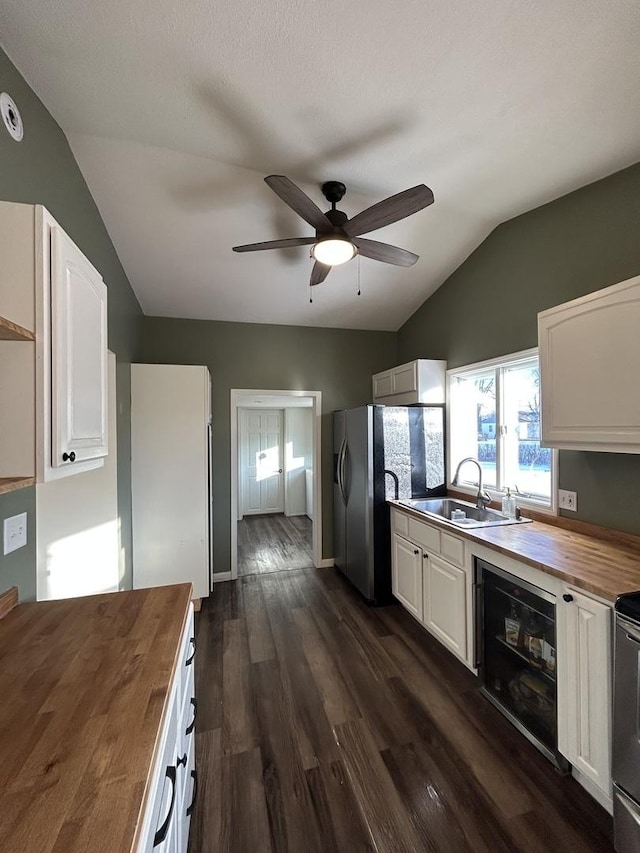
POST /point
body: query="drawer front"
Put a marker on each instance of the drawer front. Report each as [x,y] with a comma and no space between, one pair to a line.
[425,535]
[188,801]
[452,548]
[186,657]
[405,378]
[399,522]
[163,806]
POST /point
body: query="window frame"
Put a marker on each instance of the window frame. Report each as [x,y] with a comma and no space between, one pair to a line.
[464,371]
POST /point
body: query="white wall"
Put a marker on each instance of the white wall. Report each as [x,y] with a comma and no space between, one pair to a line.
[298,447]
[78,530]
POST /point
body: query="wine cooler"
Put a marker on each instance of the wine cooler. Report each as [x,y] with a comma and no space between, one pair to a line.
[516,643]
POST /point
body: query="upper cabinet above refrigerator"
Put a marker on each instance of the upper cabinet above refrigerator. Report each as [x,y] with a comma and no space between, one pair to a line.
[589,360]
[419,381]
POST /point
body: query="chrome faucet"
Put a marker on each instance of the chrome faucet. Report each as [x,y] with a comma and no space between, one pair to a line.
[482,498]
[396,482]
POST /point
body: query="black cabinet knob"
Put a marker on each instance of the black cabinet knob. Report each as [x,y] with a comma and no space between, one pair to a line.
[567,597]
[415,551]
[69,457]
[426,556]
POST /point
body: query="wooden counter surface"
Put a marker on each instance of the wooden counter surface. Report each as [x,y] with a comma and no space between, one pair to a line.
[83,683]
[606,568]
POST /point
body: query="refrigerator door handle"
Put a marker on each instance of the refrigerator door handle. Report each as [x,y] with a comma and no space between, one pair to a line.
[341,459]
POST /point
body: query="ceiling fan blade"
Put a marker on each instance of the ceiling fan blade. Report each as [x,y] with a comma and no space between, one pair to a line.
[385,253]
[276,244]
[299,201]
[319,273]
[390,210]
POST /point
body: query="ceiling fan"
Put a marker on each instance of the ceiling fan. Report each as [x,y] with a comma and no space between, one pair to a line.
[337,237]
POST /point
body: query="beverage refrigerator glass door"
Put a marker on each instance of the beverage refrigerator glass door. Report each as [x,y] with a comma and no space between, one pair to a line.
[517,655]
[626,717]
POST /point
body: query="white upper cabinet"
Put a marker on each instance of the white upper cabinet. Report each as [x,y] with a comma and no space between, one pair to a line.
[79,355]
[58,389]
[589,358]
[420,381]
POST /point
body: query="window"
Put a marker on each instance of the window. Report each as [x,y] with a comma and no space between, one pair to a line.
[494,416]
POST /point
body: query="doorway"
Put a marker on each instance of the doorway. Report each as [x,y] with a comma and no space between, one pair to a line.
[276,513]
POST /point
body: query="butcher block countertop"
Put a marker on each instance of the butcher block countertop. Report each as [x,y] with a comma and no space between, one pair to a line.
[83,685]
[604,567]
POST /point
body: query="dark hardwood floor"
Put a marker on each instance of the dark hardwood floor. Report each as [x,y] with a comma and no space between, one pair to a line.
[325,725]
[274,543]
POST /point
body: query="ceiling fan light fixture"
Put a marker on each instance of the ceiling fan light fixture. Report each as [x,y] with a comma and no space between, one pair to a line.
[333,251]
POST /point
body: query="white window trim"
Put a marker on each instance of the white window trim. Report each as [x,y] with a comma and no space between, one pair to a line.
[525,503]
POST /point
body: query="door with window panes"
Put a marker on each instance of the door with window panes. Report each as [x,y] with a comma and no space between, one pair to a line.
[495,418]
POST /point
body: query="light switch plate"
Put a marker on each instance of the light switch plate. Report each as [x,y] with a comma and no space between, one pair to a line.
[15,532]
[568,500]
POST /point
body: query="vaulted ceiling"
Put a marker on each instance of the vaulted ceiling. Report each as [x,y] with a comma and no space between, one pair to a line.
[176,111]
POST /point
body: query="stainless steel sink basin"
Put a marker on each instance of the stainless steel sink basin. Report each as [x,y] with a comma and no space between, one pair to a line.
[444,508]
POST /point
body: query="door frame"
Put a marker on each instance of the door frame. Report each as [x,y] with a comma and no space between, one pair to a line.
[316,523]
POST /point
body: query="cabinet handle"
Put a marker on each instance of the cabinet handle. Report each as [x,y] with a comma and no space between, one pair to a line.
[194,776]
[415,551]
[425,556]
[189,661]
[69,457]
[161,834]
[182,762]
[566,597]
[189,728]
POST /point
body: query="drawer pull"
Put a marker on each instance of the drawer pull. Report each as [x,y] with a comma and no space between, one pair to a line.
[567,597]
[182,762]
[161,834]
[194,776]
[191,725]
[189,661]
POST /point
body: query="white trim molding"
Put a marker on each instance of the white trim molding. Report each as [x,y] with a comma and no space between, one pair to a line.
[221,576]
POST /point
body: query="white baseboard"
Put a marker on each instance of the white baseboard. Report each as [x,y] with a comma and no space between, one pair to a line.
[326,563]
[221,576]
[605,801]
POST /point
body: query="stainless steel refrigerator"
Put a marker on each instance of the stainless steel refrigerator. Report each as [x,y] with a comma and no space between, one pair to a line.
[380,452]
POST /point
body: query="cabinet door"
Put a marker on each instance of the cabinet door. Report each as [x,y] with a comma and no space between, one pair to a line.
[382,384]
[405,378]
[584,682]
[445,604]
[79,355]
[406,574]
[588,349]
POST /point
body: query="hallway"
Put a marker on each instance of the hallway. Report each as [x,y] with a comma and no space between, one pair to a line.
[273,543]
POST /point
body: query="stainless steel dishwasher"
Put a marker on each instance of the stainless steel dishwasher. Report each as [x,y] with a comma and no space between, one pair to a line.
[626,725]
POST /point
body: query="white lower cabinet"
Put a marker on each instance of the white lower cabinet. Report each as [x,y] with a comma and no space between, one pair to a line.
[166,820]
[445,603]
[584,685]
[426,581]
[406,574]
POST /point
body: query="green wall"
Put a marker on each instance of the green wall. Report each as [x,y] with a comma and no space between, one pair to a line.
[337,362]
[579,243]
[42,170]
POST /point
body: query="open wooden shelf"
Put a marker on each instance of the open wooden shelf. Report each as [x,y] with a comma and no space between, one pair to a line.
[12,484]
[13,332]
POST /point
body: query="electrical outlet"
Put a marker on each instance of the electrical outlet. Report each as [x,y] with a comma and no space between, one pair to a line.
[568,500]
[15,532]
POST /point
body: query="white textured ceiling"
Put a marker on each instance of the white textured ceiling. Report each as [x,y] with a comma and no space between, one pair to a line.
[176,111]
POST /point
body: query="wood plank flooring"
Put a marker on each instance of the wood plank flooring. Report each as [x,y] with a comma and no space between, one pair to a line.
[274,543]
[325,725]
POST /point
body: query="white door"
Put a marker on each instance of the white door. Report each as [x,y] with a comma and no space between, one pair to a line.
[261,461]
[79,355]
[445,606]
[406,574]
[584,680]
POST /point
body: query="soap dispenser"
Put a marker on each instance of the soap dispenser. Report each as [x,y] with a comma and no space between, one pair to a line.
[509,504]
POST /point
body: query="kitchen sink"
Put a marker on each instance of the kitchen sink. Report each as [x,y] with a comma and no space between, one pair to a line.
[449,510]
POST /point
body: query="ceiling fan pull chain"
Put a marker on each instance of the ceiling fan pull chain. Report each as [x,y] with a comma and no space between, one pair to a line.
[310,295]
[359,292]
